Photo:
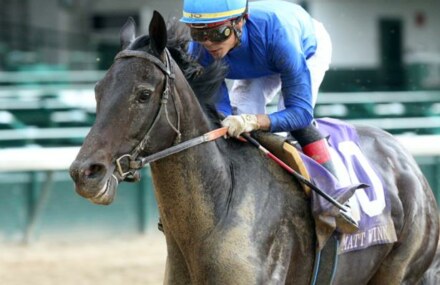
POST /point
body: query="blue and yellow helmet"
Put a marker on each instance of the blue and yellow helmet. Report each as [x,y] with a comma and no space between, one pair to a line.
[212,11]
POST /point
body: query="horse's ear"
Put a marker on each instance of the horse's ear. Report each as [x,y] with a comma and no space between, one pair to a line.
[158,33]
[128,32]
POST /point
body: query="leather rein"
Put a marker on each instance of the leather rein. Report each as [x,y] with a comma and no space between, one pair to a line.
[135,161]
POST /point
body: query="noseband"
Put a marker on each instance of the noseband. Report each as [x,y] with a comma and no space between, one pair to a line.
[167,69]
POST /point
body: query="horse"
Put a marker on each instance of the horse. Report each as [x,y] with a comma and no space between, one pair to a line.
[230,215]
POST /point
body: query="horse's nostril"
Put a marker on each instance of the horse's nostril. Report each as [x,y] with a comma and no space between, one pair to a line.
[94,171]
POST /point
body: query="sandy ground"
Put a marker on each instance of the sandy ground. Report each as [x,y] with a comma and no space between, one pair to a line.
[132,261]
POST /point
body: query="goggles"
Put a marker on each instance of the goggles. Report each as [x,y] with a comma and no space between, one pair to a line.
[215,34]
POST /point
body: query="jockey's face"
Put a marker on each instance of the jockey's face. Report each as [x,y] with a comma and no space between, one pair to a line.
[218,40]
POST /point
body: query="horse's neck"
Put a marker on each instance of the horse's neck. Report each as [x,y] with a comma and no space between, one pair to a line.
[186,183]
[193,120]
[188,187]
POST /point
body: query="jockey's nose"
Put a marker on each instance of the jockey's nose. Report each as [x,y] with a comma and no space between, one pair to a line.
[207,43]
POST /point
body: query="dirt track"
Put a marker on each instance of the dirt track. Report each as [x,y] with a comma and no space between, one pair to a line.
[132,261]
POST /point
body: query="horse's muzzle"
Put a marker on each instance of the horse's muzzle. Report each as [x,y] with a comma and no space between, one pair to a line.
[94,181]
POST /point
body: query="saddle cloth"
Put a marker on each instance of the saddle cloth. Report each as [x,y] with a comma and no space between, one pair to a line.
[370,206]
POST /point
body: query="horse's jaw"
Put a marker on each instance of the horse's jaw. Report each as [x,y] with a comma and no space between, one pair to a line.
[103,196]
[107,193]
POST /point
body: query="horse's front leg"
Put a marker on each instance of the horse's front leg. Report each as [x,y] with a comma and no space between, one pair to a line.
[226,264]
[236,256]
[213,262]
[176,270]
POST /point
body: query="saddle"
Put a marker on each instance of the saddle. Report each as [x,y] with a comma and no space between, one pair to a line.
[287,150]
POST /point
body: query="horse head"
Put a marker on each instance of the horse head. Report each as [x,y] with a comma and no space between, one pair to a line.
[137,113]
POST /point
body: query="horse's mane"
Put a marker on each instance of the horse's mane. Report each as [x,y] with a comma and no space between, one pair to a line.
[204,81]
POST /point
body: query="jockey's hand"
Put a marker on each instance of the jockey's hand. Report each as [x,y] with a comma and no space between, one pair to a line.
[238,124]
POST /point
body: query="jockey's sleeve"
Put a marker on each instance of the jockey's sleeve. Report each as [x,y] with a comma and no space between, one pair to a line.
[289,58]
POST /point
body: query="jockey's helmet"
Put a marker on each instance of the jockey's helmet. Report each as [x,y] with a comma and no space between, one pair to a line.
[204,12]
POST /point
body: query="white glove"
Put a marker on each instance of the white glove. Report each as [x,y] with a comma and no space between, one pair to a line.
[239,124]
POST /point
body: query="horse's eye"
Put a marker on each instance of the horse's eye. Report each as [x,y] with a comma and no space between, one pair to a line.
[143,96]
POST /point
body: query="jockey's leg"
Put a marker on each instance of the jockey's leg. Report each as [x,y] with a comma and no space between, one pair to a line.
[315,145]
[251,96]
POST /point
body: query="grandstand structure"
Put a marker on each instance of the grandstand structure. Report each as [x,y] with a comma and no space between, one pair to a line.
[51,57]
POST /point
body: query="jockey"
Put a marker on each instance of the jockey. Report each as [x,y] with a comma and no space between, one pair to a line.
[269,46]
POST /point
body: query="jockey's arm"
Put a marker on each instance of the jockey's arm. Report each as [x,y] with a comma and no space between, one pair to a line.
[296,91]
[287,56]
[223,104]
[284,51]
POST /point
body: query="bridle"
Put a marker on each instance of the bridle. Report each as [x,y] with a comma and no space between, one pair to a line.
[167,69]
[135,161]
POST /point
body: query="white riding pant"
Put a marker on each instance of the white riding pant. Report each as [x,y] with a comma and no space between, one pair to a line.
[250,96]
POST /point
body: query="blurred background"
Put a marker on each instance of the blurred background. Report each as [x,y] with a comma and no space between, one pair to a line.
[385,72]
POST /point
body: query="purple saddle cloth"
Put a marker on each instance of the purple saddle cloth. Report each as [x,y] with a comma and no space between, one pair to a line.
[370,205]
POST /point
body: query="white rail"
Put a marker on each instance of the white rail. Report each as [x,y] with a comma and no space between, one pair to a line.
[378,97]
[421,145]
[60,158]
[37,159]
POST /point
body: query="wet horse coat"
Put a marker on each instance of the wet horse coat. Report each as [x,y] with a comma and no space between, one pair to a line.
[230,215]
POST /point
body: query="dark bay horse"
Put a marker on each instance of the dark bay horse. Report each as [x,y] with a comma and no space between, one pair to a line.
[230,215]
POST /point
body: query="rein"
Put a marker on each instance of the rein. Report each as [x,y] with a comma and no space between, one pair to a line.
[138,164]
[134,162]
